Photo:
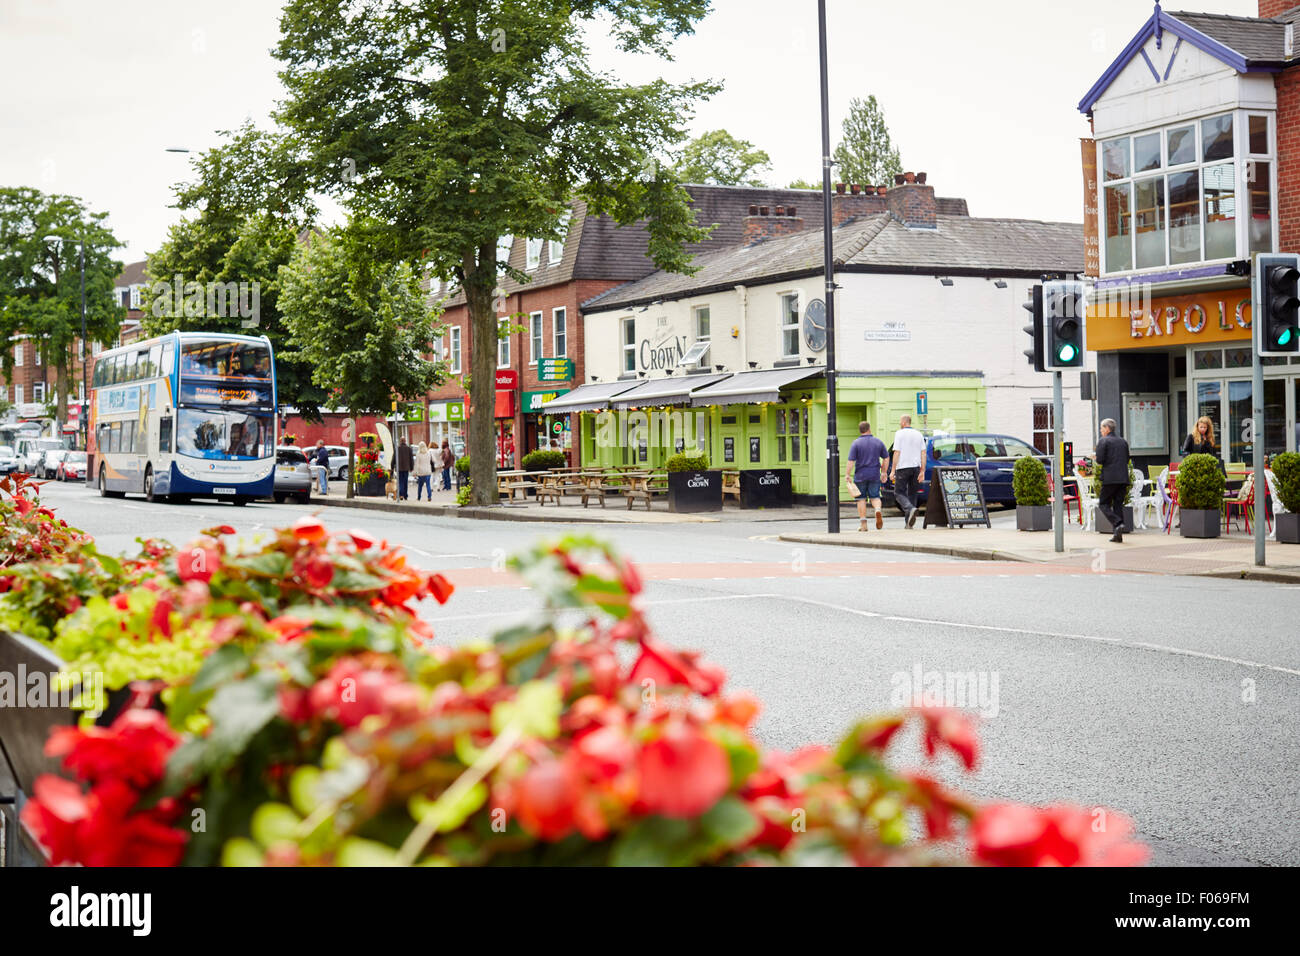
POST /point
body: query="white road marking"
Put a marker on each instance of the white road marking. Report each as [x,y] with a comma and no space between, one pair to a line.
[430,554]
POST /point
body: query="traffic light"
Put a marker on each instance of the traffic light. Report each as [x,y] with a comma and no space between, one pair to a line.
[1063,315]
[1275,311]
[1035,328]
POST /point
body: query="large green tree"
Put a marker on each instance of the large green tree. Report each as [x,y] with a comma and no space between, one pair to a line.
[40,280]
[247,207]
[459,122]
[865,153]
[718,157]
[361,323]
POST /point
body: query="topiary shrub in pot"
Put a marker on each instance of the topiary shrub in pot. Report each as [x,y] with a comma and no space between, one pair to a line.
[1200,496]
[1029,484]
[692,485]
[1286,474]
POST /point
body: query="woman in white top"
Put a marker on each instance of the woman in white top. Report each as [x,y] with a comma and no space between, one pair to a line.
[423,471]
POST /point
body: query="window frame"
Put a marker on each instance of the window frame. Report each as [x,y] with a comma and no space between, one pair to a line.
[503,344]
[454,349]
[560,339]
[555,247]
[698,312]
[532,254]
[1243,162]
[536,337]
[627,348]
[789,328]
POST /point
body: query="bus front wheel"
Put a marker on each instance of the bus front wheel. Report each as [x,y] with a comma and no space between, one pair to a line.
[149,494]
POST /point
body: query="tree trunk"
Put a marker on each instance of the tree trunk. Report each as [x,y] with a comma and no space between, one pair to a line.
[483,367]
[61,374]
[352,454]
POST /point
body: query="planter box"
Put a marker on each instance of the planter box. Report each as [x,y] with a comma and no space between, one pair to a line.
[1033,517]
[766,488]
[1194,523]
[373,488]
[1288,528]
[1103,523]
[691,491]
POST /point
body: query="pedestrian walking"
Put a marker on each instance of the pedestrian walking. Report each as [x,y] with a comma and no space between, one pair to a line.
[423,472]
[448,459]
[1112,458]
[321,456]
[866,455]
[909,459]
[405,462]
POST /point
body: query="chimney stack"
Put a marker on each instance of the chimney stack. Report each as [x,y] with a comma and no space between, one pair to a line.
[912,202]
[758,225]
[1274,8]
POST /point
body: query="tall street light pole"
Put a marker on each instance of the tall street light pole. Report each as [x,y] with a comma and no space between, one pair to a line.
[828,264]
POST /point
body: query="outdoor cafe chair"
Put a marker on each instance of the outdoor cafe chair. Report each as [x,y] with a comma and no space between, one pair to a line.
[1278,507]
[1244,502]
[1144,497]
[1087,503]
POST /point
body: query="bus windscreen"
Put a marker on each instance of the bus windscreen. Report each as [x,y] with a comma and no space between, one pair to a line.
[226,360]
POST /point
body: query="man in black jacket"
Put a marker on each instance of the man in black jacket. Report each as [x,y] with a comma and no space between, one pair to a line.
[405,462]
[1112,459]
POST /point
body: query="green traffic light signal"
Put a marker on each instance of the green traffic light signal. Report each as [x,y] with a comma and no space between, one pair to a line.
[1067,353]
[1280,308]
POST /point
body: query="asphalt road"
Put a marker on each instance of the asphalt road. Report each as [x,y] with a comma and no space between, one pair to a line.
[1175,700]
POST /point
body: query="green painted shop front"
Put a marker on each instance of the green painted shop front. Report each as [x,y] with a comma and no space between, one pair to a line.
[787,433]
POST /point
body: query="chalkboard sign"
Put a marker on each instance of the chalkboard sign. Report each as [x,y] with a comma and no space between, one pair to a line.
[956,497]
[755,453]
[728,449]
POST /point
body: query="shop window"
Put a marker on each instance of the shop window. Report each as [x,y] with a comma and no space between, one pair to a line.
[728,419]
[1259,186]
[1149,221]
[795,442]
[1043,427]
[790,325]
[1119,221]
[755,419]
[1182,145]
[535,337]
[629,345]
[1237,358]
[1208,358]
[780,434]
[560,327]
[1216,137]
[1220,212]
[1184,217]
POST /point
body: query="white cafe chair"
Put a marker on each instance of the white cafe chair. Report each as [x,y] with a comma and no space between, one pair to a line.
[1087,503]
[1143,497]
[1278,509]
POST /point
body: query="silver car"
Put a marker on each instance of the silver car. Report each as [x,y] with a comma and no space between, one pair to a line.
[8,460]
[50,462]
[293,476]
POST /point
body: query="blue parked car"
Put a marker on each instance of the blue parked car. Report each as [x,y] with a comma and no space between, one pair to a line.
[994,454]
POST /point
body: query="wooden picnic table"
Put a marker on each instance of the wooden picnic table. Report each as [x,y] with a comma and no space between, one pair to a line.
[514,480]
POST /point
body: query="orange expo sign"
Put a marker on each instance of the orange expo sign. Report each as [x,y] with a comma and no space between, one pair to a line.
[1203,317]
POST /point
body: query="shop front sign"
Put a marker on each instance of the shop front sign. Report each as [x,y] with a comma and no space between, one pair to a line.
[447,412]
[507,379]
[555,369]
[1203,317]
[533,401]
[411,411]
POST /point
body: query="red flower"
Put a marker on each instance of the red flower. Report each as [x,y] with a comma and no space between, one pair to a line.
[23,506]
[362,540]
[162,620]
[546,798]
[605,752]
[134,749]
[198,562]
[953,729]
[315,572]
[350,693]
[56,808]
[308,528]
[683,772]
[440,588]
[670,668]
[1008,834]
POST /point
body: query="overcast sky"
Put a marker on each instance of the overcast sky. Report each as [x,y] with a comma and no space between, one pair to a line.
[982,96]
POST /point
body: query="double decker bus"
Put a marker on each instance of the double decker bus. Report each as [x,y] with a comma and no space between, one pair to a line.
[186,415]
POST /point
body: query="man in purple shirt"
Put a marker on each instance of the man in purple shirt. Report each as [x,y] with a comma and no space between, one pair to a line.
[865,456]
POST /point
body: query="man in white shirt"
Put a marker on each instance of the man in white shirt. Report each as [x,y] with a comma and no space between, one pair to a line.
[905,470]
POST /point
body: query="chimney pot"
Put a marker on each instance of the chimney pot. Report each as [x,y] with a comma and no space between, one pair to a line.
[762,210]
[855,188]
[753,209]
[839,188]
[920,178]
[881,190]
[909,177]
[789,211]
[898,179]
[780,210]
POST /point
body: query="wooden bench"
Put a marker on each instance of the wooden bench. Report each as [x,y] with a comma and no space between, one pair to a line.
[731,483]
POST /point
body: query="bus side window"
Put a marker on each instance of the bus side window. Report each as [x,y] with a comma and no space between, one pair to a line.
[128,437]
[114,432]
[168,358]
[155,360]
[165,435]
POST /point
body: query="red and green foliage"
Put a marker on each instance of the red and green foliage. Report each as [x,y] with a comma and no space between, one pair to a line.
[323,726]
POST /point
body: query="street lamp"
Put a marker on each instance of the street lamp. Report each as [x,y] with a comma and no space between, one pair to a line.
[85,384]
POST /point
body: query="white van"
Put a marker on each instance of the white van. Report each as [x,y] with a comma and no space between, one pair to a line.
[32,450]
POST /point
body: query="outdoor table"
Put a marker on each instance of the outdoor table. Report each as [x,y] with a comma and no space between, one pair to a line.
[548,487]
[508,482]
[638,487]
[593,486]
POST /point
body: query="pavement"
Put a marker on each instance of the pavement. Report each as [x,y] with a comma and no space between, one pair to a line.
[1149,551]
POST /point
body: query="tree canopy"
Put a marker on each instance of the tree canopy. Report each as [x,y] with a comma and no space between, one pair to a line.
[865,153]
[457,123]
[719,158]
[40,280]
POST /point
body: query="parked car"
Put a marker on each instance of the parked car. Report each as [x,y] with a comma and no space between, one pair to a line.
[72,467]
[31,451]
[293,476]
[8,460]
[338,461]
[50,460]
[994,454]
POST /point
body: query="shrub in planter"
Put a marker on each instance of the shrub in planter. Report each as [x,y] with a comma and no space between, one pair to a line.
[334,732]
[462,464]
[681,462]
[1029,484]
[1286,472]
[544,459]
[1200,496]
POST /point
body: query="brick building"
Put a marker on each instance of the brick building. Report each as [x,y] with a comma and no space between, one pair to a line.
[1193,167]
[595,256]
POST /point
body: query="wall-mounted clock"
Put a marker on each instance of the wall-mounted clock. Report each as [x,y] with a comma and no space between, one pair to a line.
[814,325]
